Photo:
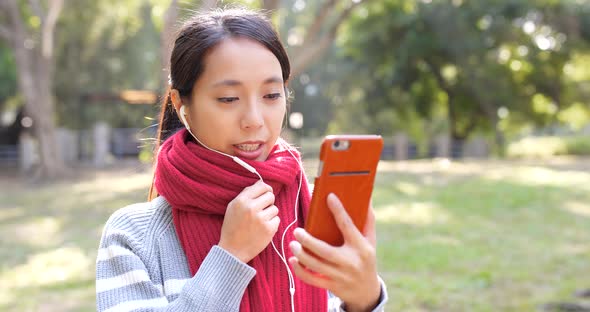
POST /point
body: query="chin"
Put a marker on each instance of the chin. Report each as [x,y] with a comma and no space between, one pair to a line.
[264,156]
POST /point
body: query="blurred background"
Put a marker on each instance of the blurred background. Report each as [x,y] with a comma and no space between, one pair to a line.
[483,192]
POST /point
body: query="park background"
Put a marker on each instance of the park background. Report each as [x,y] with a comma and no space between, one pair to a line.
[483,193]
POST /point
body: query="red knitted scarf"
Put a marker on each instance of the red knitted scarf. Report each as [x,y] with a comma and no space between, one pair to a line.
[199,184]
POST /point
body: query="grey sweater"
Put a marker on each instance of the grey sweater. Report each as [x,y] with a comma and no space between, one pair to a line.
[141,266]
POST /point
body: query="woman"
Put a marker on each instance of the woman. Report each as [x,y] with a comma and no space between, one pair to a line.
[231,194]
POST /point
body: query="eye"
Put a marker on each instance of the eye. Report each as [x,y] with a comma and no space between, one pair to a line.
[272,96]
[227,99]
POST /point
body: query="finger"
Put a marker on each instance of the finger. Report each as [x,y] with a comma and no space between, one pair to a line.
[256,189]
[263,201]
[307,276]
[313,263]
[343,221]
[369,231]
[268,213]
[274,224]
[318,247]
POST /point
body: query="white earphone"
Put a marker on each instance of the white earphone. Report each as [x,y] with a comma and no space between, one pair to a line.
[240,162]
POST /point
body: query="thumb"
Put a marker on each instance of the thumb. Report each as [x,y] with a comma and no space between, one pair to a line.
[349,231]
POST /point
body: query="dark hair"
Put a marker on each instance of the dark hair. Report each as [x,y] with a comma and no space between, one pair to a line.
[195,38]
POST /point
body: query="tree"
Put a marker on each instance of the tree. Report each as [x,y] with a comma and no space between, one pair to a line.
[115,50]
[29,30]
[311,36]
[169,24]
[481,63]
[309,29]
[307,46]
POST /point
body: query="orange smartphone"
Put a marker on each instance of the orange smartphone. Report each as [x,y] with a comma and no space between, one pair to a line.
[347,168]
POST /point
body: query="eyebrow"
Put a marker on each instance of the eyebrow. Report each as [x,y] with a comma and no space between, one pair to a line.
[233,83]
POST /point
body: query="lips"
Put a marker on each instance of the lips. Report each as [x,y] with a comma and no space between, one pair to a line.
[248,147]
[249,150]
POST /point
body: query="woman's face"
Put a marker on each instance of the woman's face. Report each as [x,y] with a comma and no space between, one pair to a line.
[238,103]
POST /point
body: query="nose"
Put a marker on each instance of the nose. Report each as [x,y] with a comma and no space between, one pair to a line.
[253,116]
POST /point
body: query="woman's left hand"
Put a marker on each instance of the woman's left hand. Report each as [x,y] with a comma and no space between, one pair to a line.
[348,271]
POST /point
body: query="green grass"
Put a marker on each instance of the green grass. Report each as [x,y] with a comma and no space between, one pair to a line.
[49,236]
[483,236]
[467,236]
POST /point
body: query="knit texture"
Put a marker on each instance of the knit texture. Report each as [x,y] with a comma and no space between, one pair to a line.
[141,266]
[199,184]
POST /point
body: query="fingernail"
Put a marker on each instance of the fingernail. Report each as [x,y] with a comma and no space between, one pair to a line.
[332,198]
[298,232]
[295,247]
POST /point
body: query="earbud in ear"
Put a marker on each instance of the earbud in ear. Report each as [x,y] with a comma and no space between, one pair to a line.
[183,117]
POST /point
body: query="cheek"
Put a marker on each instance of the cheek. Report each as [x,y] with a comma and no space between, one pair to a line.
[277,117]
[211,125]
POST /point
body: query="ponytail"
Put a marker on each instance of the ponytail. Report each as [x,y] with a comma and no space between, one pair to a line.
[168,124]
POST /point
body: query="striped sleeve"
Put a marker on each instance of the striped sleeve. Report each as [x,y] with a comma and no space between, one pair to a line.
[335,304]
[124,283]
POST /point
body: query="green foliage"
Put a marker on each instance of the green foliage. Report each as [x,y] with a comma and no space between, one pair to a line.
[466,61]
[421,67]
[118,50]
[7,75]
[549,146]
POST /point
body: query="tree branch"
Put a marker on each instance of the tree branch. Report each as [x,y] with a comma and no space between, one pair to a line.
[315,27]
[47,34]
[307,55]
[18,27]
[344,15]
[5,28]
[308,52]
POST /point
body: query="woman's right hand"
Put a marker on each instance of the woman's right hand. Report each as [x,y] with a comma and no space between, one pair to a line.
[250,222]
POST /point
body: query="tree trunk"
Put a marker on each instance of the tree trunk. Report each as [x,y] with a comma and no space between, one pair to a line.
[35,85]
[451,111]
[498,136]
[452,117]
[170,21]
[166,40]
[34,67]
[52,165]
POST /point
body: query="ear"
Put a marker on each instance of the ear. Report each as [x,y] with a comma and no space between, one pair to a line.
[175,99]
